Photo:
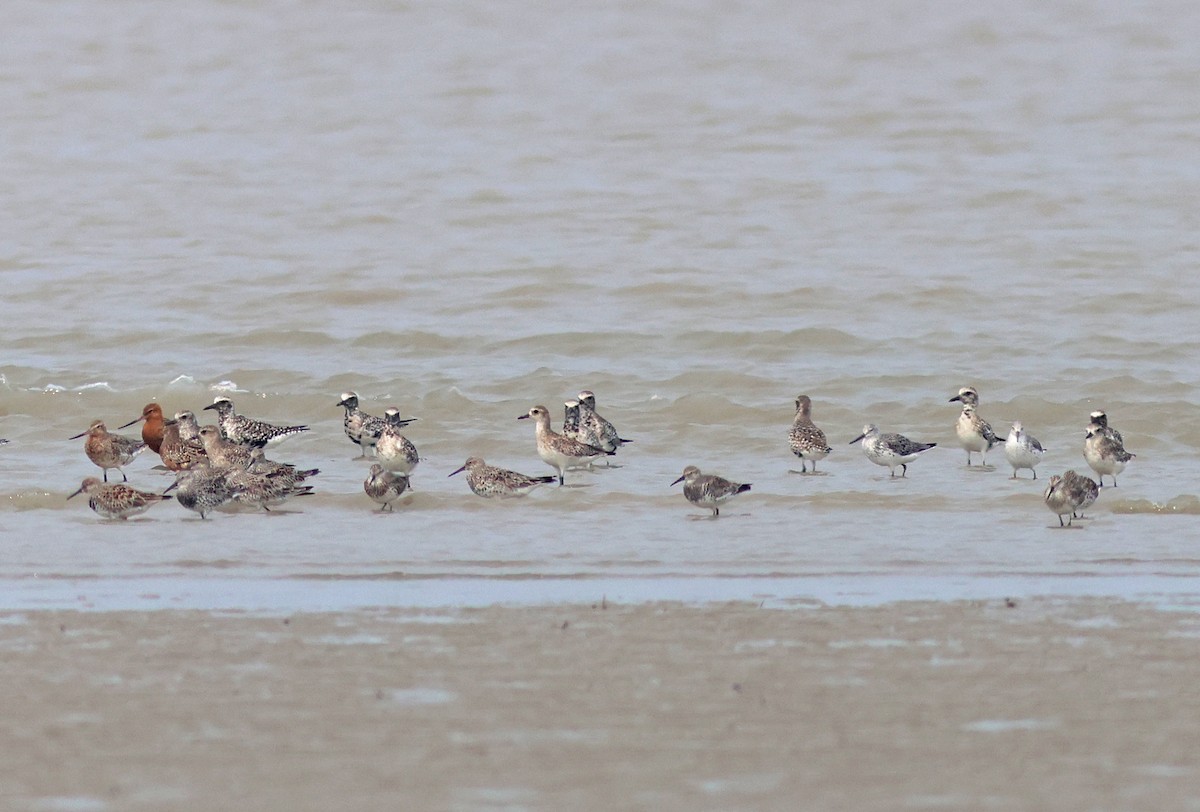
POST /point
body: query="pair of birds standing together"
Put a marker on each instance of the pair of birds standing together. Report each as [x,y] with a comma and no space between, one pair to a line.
[388,479]
[213,464]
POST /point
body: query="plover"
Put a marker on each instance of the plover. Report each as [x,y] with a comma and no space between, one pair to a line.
[1104,452]
[708,490]
[109,450]
[189,428]
[1100,419]
[395,451]
[594,430]
[557,451]
[153,425]
[384,486]
[363,429]
[890,450]
[488,480]
[974,433]
[1022,450]
[117,500]
[805,439]
[246,430]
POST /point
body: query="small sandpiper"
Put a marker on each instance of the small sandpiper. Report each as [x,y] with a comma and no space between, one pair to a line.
[1083,489]
[246,430]
[153,425]
[176,452]
[395,451]
[594,430]
[557,451]
[805,439]
[890,450]
[263,490]
[974,433]
[489,481]
[1105,452]
[109,450]
[1022,450]
[117,500]
[384,486]
[708,490]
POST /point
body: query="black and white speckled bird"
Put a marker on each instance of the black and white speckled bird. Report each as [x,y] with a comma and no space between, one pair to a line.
[246,430]
[395,451]
[593,429]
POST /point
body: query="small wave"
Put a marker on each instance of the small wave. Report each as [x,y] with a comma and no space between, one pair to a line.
[226,386]
[1183,505]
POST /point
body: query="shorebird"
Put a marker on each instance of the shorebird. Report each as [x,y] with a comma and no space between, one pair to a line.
[245,430]
[152,425]
[395,451]
[805,439]
[1058,499]
[557,451]
[109,450]
[261,490]
[890,450]
[178,453]
[363,429]
[283,471]
[116,500]
[707,490]
[1083,491]
[1099,418]
[384,486]
[974,433]
[203,488]
[1105,452]
[1022,450]
[189,429]
[488,480]
[224,453]
[593,429]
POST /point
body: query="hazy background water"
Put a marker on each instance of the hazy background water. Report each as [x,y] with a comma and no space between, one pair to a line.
[696,210]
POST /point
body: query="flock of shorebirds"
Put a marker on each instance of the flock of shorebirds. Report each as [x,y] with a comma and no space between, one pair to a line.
[224,465]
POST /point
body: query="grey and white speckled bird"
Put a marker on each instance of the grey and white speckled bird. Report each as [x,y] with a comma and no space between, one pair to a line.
[1022,450]
[259,464]
[805,439]
[203,488]
[489,481]
[246,430]
[224,453]
[1083,491]
[189,427]
[557,451]
[708,490]
[593,429]
[384,486]
[1105,452]
[570,426]
[890,450]
[974,433]
[263,490]
[117,500]
[395,451]
[109,450]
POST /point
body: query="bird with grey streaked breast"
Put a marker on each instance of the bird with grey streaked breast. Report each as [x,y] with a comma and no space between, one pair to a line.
[384,486]
[490,481]
[708,490]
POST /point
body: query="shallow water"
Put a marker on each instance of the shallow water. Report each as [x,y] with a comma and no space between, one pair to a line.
[696,211]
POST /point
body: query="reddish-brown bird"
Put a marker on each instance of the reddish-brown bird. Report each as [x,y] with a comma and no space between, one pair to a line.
[152,428]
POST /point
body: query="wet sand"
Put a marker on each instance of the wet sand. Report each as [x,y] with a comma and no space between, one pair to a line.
[1045,704]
